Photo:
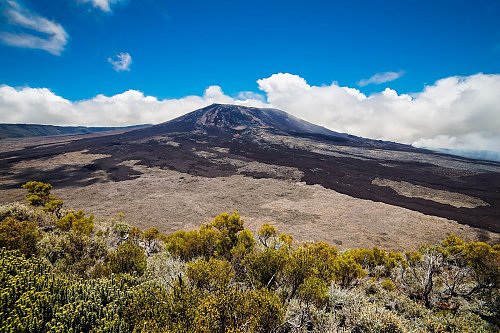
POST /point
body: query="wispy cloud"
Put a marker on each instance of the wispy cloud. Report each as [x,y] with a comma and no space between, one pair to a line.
[381,78]
[29,30]
[121,62]
[104,5]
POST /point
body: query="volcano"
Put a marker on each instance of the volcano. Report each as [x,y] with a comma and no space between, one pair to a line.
[239,118]
[231,157]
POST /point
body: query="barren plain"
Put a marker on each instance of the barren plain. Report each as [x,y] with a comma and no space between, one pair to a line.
[345,190]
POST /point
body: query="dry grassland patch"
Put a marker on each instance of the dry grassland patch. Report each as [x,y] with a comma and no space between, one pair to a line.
[172,200]
[410,190]
[77,158]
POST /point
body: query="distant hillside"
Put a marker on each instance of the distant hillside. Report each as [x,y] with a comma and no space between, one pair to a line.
[30,130]
[486,155]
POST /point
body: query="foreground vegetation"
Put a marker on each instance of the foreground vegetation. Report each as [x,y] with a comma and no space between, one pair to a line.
[62,271]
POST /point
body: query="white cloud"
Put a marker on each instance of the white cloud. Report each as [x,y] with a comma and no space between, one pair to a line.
[29,30]
[455,112]
[380,78]
[41,106]
[104,5]
[121,62]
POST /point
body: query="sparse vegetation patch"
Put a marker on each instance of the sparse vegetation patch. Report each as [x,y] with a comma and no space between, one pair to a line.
[66,271]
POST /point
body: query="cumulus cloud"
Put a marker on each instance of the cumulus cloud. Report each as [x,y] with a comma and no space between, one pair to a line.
[42,106]
[461,113]
[121,62]
[104,5]
[455,112]
[29,30]
[380,78]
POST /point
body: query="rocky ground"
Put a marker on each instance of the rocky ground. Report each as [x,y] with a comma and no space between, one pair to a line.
[346,190]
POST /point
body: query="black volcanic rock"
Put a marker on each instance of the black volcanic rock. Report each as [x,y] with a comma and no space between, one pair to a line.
[239,118]
[204,142]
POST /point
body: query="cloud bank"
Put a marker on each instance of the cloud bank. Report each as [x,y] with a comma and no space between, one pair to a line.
[41,106]
[121,62]
[454,112]
[461,113]
[26,29]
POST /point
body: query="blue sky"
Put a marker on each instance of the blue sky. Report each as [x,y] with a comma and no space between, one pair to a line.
[179,48]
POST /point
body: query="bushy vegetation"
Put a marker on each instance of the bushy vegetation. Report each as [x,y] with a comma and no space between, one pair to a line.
[64,271]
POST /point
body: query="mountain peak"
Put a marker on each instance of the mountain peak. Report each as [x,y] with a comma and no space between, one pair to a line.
[240,118]
[230,117]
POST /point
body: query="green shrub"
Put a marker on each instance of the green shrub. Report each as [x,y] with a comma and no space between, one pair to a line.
[388,285]
[19,235]
[128,258]
[313,291]
[347,271]
[24,212]
[236,310]
[38,194]
[76,221]
[212,274]
[220,279]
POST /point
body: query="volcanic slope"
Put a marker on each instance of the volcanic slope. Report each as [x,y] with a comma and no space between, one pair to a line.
[302,176]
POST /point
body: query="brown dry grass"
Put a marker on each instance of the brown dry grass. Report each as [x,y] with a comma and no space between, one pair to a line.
[75,159]
[445,197]
[173,200]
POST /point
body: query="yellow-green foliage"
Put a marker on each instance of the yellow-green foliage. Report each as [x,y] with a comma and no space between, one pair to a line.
[216,239]
[135,234]
[211,275]
[485,260]
[38,194]
[309,260]
[151,239]
[347,271]
[184,244]
[313,291]
[264,268]
[76,221]
[222,278]
[19,235]
[236,310]
[128,258]
[376,261]
[267,232]
[33,299]
[244,245]
[149,235]
[387,284]
[226,228]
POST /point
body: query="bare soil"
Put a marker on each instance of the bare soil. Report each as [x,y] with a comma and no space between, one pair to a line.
[313,188]
[172,200]
[445,197]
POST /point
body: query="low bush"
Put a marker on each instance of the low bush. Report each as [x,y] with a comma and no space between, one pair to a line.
[63,271]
